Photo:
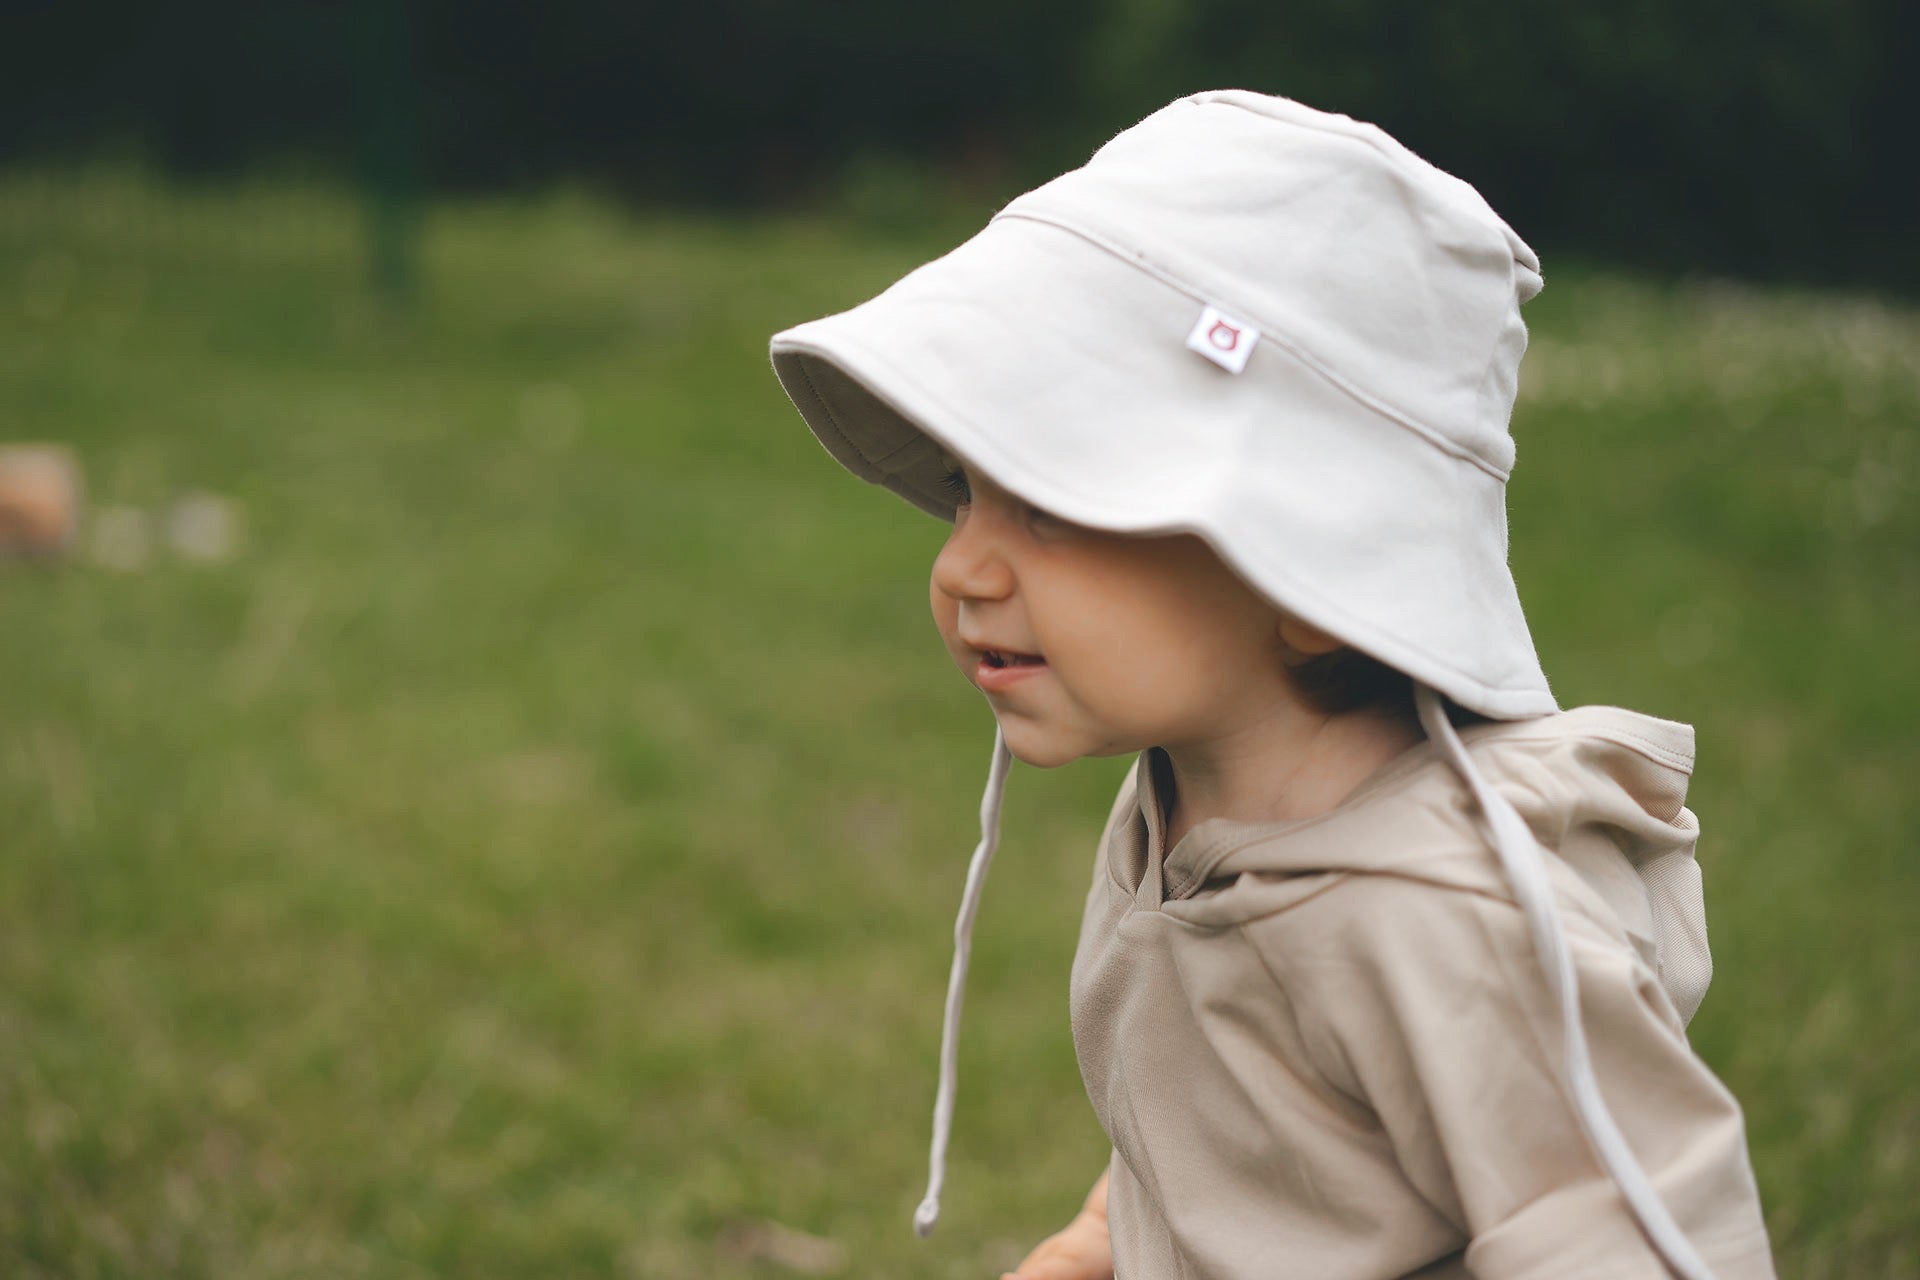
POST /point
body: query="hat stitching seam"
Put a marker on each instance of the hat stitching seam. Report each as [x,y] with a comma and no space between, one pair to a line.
[827,411]
[1488,376]
[1390,149]
[877,474]
[1338,123]
[1274,333]
[1462,197]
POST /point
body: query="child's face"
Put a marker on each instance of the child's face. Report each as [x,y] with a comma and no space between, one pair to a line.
[1112,643]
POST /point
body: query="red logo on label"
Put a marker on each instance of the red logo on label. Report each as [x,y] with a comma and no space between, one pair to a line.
[1223,335]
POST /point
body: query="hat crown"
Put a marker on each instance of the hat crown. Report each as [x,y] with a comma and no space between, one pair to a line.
[1393,277]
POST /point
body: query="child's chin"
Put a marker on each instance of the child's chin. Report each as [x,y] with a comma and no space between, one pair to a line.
[1037,749]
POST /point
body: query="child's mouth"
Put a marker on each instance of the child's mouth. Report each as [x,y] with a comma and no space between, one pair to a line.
[1000,668]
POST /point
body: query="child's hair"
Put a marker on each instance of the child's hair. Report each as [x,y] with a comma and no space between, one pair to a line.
[1349,680]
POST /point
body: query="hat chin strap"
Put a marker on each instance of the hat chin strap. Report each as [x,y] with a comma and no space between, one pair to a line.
[1526,871]
[928,1213]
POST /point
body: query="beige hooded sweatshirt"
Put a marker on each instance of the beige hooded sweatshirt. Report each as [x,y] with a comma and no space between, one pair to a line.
[1328,1049]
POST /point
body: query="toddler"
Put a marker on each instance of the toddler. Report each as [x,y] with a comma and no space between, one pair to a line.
[1387,961]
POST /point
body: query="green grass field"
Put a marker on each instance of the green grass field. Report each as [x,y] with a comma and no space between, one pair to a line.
[535,854]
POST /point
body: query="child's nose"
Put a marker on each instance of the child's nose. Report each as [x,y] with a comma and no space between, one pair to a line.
[972,566]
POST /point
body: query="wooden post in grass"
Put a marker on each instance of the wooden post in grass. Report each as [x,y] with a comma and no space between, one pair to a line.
[39,501]
[387,96]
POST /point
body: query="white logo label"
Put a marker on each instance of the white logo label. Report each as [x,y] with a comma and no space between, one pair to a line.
[1222,339]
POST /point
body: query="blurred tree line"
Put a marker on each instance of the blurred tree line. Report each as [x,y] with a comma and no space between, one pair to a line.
[1762,137]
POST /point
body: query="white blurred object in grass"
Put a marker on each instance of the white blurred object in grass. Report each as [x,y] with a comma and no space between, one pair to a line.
[204,527]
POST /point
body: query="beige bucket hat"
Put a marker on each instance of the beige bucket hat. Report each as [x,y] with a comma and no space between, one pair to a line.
[1341,440]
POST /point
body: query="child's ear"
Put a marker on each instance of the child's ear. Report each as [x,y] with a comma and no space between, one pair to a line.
[1304,638]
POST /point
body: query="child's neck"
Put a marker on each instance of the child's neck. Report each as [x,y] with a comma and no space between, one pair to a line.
[1285,769]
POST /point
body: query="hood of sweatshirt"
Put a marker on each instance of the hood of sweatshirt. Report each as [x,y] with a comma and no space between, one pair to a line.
[1602,789]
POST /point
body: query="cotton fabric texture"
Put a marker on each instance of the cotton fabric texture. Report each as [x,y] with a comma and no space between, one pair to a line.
[1325,1048]
[1279,329]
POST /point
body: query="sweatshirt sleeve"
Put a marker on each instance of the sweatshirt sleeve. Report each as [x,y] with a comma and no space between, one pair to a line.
[1427,1006]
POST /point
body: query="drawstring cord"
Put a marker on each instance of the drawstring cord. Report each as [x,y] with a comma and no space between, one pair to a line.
[1527,872]
[928,1213]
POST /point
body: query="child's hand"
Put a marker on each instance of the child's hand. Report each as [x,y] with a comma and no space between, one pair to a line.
[1081,1251]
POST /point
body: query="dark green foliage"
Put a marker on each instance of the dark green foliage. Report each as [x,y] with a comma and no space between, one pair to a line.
[1768,137]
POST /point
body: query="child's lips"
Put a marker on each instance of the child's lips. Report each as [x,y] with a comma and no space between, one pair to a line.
[1010,670]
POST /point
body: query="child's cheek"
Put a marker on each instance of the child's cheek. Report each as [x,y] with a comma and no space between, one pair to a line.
[944,609]
[946,616]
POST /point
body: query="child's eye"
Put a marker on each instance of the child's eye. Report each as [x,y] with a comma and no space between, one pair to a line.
[955,483]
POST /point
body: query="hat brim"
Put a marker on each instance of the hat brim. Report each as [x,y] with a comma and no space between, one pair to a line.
[1053,365]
